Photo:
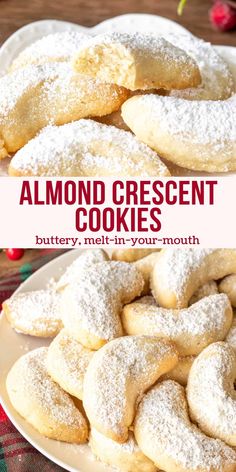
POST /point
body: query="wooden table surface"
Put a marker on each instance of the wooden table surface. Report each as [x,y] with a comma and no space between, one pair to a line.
[16,13]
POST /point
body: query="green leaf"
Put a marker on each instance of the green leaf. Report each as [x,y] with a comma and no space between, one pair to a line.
[181,6]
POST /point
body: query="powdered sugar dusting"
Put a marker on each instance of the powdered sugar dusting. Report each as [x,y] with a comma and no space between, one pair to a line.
[35,313]
[47,394]
[178,265]
[163,420]
[217,81]
[96,300]
[86,146]
[206,319]
[133,359]
[53,47]
[87,258]
[214,372]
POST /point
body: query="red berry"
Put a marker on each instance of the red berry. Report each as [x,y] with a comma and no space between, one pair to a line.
[14,254]
[223,16]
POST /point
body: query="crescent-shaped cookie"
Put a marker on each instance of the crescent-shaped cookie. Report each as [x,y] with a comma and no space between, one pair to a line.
[67,362]
[178,273]
[118,374]
[166,435]
[126,457]
[55,47]
[190,329]
[36,313]
[73,271]
[198,135]
[137,61]
[214,372]
[42,402]
[91,308]
[86,148]
[35,96]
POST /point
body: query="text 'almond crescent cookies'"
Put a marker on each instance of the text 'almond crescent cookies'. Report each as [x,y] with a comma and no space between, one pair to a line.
[217,81]
[126,456]
[118,374]
[190,329]
[36,313]
[91,308]
[67,362]
[228,286]
[42,402]
[197,135]
[178,273]
[181,371]
[211,393]
[89,149]
[137,61]
[73,271]
[33,97]
[55,47]
[166,435]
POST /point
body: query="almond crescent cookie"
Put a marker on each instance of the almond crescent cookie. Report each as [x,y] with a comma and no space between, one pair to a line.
[190,329]
[33,97]
[42,402]
[198,134]
[166,435]
[118,374]
[178,273]
[55,47]
[35,313]
[91,308]
[127,456]
[73,271]
[67,362]
[86,148]
[214,372]
[137,61]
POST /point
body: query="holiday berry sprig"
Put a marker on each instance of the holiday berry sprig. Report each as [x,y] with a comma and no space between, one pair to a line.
[222,14]
[14,254]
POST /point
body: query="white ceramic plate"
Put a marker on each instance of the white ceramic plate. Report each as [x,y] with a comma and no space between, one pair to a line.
[73,458]
[124,23]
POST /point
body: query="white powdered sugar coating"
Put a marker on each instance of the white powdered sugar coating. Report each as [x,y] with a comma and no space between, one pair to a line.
[128,360]
[96,300]
[46,394]
[73,271]
[163,421]
[209,288]
[56,47]
[198,122]
[207,317]
[217,81]
[36,312]
[149,45]
[211,393]
[231,336]
[57,149]
[178,265]
[67,362]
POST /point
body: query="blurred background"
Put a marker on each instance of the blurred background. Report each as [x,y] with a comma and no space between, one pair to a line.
[195,17]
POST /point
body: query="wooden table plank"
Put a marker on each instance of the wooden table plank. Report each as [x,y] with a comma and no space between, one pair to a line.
[16,13]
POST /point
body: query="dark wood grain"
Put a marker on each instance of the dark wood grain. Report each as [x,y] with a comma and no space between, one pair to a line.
[16,13]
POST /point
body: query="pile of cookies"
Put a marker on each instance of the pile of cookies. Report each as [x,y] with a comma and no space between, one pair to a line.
[143,360]
[115,105]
